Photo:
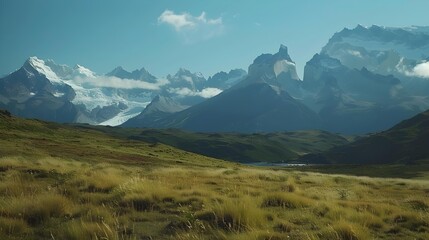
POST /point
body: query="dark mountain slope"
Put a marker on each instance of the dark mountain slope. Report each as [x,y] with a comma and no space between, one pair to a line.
[258,107]
[259,103]
[265,147]
[406,143]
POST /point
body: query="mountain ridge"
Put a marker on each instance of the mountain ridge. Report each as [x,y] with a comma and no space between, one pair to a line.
[405,143]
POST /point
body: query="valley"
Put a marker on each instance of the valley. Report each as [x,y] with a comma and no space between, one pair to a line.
[230,120]
[72,182]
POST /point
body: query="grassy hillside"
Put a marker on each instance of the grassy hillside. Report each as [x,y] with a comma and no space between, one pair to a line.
[257,147]
[405,143]
[65,182]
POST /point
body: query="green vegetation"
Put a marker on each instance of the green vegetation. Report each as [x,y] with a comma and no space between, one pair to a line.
[258,147]
[404,144]
[65,182]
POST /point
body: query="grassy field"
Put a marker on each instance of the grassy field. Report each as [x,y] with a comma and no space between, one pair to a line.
[257,147]
[63,182]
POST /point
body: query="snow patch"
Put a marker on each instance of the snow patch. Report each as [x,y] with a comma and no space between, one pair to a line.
[329,63]
[58,94]
[199,75]
[40,66]
[355,53]
[285,66]
[188,79]
[83,71]
[404,50]
[121,118]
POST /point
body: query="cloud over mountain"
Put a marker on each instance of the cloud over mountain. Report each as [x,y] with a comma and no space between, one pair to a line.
[422,70]
[204,93]
[114,82]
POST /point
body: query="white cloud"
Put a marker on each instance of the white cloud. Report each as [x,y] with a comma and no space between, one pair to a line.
[114,82]
[192,28]
[355,53]
[186,92]
[209,92]
[422,70]
[178,21]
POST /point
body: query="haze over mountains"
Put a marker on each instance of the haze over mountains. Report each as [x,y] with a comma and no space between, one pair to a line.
[364,80]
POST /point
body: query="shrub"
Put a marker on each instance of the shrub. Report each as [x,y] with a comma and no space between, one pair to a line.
[283,227]
[344,231]
[289,187]
[418,204]
[140,203]
[38,209]
[234,215]
[285,200]
[13,227]
[77,230]
[321,210]
[412,221]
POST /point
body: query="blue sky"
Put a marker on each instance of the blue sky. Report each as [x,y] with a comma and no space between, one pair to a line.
[202,36]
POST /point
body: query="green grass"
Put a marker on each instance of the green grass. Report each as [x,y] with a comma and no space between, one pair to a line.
[409,171]
[404,144]
[66,182]
[258,147]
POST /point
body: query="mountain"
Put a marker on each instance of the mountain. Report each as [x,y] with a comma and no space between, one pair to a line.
[385,50]
[159,108]
[256,104]
[356,84]
[141,74]
[35,91]
[364,80]
[185,79]
[56,92]
[405,143]
[382,50]
[49,91]
[356,101]
[223,80]
[45,90]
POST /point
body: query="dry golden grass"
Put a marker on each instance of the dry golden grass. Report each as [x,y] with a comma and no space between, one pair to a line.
[60,182]
[64,199]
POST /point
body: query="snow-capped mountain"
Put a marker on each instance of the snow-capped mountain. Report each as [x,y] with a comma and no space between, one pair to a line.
[384,50]
[138,74]
[365,79]
[92,99]
[189,88]
[257,103]
[223,80]
[159,108]
[185,79]
[362,80]
[35,91]
[109,99]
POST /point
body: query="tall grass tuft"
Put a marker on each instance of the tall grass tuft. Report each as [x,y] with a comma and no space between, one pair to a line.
[234,215]
[285,200]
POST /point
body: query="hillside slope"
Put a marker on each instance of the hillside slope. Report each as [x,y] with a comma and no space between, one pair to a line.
[258,147]
[38,139]
[405,143]
[73,182]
